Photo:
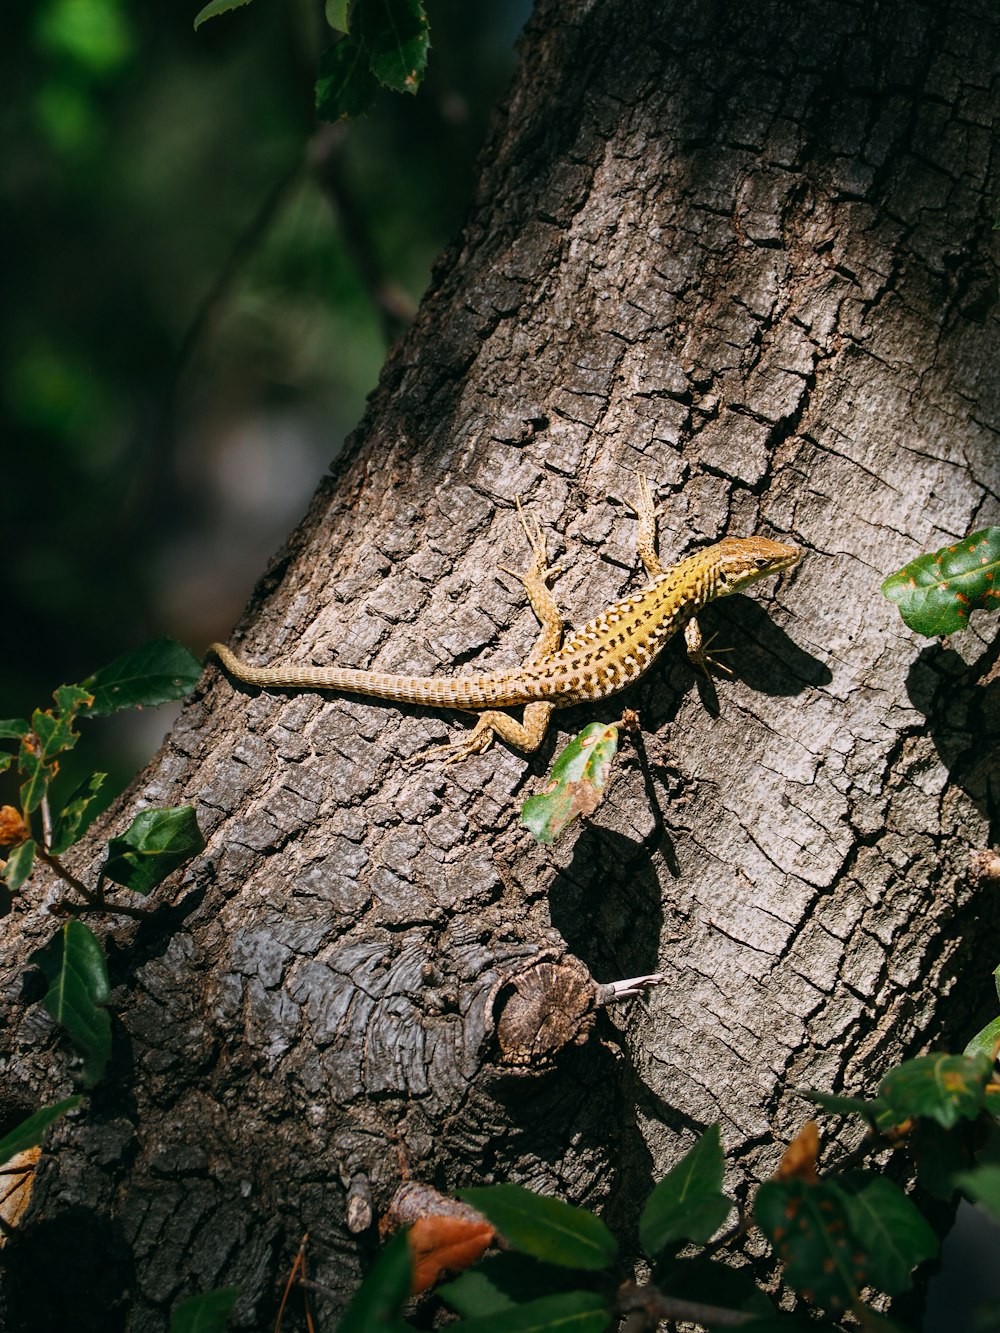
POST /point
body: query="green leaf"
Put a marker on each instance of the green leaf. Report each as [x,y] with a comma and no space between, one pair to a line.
[153,845]
[19,865]
[29,1133]
[13,728]
[208,1313]
[51,733]
[982,1185]
[502,1280]
[807,1225]
[688,1203]
[548,1229]
[473,1294]
[72,821]
[378,1303]
[154,673]
[889,1227]
[345,86]
[216,7]
[396,37]
[73,964]
[338,14]
[936,592]
[576,785]
[876,1112]
[945,1088]
[565,1312]
[986,1041]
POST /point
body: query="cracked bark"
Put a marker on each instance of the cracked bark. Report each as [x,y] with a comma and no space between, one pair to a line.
[749,252]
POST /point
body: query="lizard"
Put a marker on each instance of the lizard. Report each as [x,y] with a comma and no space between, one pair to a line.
[603,657]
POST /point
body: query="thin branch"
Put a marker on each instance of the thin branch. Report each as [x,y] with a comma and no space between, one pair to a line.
[221,290]
[648,1301]
[394,306]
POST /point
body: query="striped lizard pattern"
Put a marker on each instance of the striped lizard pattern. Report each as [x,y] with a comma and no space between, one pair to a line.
[608,653]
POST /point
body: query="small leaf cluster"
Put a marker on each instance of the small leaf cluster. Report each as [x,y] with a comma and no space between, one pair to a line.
[842,1235]
[44,826]
[936,592]
[381,44]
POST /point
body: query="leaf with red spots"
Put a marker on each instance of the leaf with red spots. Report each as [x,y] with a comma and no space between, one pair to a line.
[808,1227]
[576,785]
[895,1234]
[936,592]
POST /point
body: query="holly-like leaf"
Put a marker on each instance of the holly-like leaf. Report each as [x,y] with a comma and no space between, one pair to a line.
[548,1229]
[982,1185]
[214,8]
[945,1088]
[29,1133]
[154,673]
[892,1231]
[688,1203]
[378,1303]
[576,785]
[936,592]
[565,1312]
[396,37]
[51,734]
[153,845]
[73,820]
[73,964]
[808,1227]
[13,728]
[345,86]
[207,1313]
[19,865]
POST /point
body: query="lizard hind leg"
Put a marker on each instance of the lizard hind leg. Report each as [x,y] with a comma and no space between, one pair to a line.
[526,736]
[535,580]
[647,512]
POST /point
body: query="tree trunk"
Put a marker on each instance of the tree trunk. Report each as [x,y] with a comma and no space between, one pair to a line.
[742,249]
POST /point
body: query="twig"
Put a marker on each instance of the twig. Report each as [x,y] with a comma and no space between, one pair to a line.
[395,309]
[225,280]
[57,867]
[656,1306]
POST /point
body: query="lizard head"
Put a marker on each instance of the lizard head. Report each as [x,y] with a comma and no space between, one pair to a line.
[744,560]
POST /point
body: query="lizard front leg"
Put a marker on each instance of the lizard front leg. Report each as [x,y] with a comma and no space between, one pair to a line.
[648,513]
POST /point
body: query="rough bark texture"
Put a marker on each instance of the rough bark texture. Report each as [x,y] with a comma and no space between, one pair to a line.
[747,250]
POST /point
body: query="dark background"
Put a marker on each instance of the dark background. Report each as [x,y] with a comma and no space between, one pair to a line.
[190,323]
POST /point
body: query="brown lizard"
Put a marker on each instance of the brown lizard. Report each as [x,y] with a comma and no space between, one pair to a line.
[607,654]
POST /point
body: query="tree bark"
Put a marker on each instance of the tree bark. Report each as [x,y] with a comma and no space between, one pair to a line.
[748,251]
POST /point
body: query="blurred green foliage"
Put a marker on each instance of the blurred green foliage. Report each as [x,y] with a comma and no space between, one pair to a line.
[185,316]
